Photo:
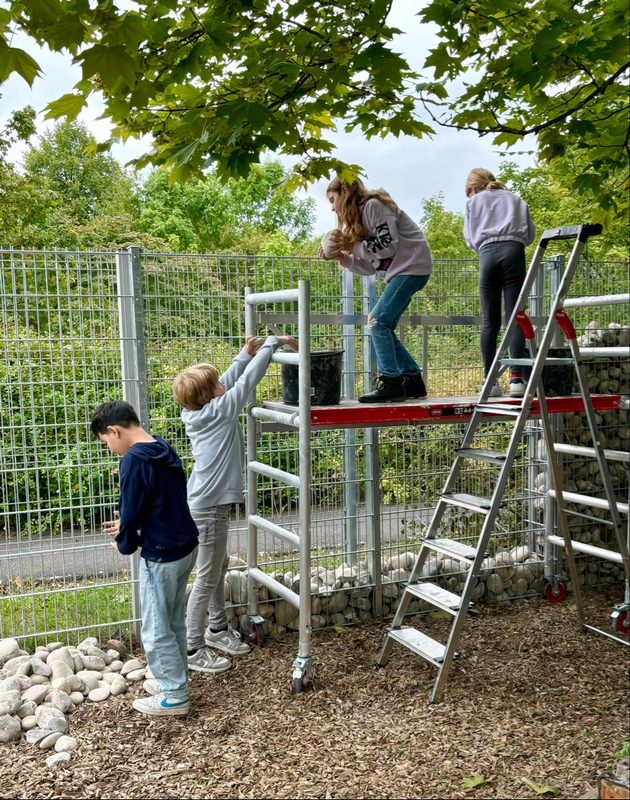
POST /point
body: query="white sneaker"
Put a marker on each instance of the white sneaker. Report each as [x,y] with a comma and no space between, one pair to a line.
[161,706]
[229,641]
[204,660]
[151,686]
[517,387]
[496,391]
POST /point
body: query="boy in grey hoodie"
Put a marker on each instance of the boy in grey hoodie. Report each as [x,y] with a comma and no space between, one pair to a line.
[212,405]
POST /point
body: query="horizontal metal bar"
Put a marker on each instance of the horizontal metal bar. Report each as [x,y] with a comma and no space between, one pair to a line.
[279,588]
[607,635]
[588,549]
[270,415]
[579,450]
[607,352]
[587,500]
[267,298]
[273,472]
[280,357]
[603,300]
[276,530]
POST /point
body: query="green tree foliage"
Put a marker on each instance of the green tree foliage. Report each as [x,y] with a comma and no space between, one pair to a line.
[252,215]
[443,229]
[553,202]
[552,68]
[79,184]
[222,83]
[16,192]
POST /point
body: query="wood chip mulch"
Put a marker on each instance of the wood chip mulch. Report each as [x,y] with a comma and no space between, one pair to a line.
[531,697]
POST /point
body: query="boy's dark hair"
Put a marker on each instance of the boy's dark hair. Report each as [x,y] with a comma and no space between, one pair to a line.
[114,412]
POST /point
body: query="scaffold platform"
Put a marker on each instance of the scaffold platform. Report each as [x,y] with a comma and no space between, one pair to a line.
[433,410]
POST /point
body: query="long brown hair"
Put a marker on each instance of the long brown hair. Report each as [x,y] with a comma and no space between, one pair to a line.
[480,179]
[352,202]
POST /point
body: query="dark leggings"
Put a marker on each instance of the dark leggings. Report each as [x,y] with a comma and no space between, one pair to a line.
[501,272]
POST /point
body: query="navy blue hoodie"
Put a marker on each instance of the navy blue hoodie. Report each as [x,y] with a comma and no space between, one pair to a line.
[154,513]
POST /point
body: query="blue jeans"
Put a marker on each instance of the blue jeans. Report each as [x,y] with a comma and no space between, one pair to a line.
[392,357]
[501,273]
[208,592]
[163,630]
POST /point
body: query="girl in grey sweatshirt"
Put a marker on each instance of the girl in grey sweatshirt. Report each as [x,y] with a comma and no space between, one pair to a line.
[376,237]
[498,226]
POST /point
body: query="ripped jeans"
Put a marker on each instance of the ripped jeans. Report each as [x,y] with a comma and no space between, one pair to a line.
[392,358]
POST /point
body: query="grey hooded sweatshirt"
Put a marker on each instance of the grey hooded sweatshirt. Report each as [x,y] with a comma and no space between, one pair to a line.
[216,436]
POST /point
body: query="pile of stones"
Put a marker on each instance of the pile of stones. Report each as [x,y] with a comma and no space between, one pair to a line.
[39,692]
[345,595]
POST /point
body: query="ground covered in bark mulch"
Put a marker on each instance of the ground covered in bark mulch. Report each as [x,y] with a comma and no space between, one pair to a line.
[531,697]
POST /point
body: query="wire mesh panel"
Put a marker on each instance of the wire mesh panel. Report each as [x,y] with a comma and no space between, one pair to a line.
[60,356]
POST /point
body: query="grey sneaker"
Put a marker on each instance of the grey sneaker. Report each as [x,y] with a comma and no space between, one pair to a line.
[517,387]
[229,641]
[151,686]
[161,706]
[204,660]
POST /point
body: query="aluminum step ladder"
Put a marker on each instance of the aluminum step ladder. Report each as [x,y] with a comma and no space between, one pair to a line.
[441,654]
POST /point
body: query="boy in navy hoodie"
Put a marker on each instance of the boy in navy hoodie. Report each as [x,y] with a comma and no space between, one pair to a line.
[153,516]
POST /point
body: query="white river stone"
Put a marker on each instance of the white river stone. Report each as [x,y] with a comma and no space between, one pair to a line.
[65,744]
[57,759]
[99,694]
[10,728]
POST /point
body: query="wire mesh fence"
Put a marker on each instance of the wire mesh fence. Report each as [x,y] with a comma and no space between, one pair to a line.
[61,349]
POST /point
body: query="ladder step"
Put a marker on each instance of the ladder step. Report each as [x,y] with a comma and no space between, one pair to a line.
[451,548]
[436,595]
[479,454]
[419,643]
[471,501]
[500,409]
[551,361]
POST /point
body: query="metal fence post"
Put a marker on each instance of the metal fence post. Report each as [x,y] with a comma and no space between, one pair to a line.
[133,362]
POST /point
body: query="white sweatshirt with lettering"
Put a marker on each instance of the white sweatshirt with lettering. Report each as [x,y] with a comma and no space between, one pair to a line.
[394,245]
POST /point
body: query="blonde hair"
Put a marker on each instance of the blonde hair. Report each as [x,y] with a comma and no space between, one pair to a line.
[480,179]
[352,203]
[195,386]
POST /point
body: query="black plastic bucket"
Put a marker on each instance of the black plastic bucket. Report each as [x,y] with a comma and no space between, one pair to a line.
[558,380]
[325,380]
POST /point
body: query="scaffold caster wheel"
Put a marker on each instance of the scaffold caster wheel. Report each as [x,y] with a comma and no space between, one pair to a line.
[557,593]
[300,684]
[621,620]
[257,635]
[255,629]
[302,674]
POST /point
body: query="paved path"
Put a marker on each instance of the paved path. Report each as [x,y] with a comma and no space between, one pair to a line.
[89,556]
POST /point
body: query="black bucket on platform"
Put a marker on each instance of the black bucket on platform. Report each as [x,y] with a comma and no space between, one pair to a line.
[325,380]
[558,380]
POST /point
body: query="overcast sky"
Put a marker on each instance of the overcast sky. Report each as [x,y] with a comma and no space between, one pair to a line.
[410,169]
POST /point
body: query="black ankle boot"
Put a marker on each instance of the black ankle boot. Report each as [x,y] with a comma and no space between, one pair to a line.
[414,385]
[388,390]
